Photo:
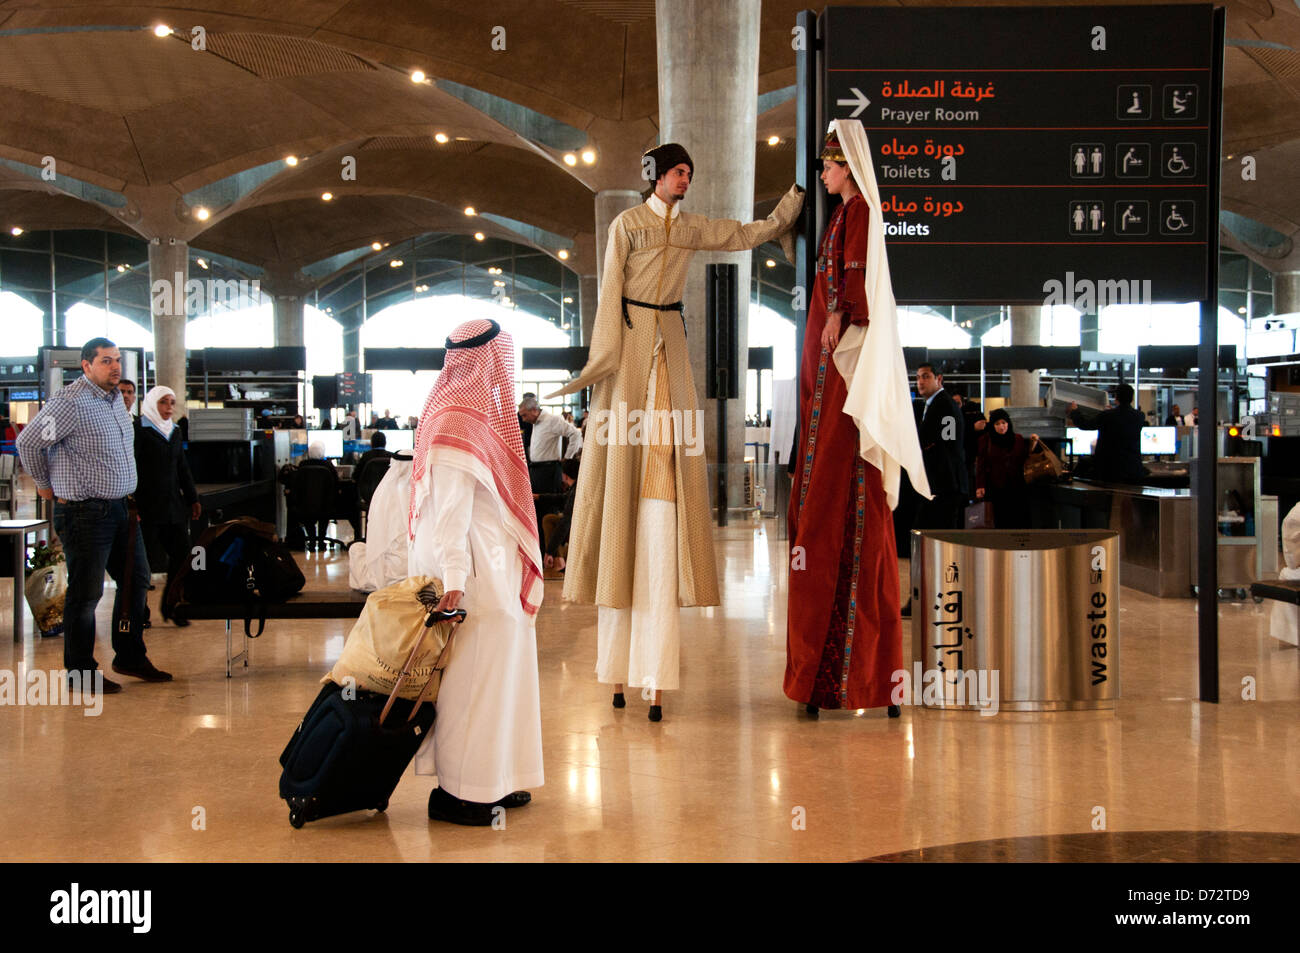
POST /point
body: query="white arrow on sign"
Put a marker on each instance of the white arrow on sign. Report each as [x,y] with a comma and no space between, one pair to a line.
[860,101]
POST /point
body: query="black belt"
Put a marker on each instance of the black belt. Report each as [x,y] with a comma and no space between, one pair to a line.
[675,306]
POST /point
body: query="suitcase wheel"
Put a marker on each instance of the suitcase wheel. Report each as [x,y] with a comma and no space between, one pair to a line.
[296,819]
[383,806]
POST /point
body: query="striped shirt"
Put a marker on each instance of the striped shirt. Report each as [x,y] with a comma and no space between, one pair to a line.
[81,444]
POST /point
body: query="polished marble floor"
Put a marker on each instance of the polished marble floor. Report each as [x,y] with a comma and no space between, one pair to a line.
[188,770]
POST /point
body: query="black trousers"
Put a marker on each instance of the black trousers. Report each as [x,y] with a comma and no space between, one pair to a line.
[168,545]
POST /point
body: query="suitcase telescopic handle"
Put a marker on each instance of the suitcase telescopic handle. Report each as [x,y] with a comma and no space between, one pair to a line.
[456,617]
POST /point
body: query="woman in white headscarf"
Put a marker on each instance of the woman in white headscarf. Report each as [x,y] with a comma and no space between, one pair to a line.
[844,636]
[164,492]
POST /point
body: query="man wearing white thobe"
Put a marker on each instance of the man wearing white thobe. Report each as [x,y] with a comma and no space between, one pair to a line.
[472,526]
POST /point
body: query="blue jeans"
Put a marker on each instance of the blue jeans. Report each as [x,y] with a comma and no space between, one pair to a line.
[94,540]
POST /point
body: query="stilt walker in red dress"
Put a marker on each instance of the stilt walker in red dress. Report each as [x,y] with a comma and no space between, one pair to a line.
[844,637]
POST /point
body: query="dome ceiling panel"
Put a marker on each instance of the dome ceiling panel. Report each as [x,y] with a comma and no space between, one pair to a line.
[117,72]
[276,57]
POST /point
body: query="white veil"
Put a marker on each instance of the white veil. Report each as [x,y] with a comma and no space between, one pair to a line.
[870,359]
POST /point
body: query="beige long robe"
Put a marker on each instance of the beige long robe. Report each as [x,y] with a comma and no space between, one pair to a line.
[646,259]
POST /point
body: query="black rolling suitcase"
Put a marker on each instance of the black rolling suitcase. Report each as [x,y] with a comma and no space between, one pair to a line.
[349,753]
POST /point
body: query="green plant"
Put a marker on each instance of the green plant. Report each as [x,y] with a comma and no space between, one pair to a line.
[43,556]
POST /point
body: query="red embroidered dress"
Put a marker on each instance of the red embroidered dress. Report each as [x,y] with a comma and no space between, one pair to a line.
[844,636]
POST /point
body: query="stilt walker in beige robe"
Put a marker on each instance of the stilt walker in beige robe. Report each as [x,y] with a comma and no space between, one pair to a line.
[641,542]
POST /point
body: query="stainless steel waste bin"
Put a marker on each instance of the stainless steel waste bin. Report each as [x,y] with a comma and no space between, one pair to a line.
[1027,617]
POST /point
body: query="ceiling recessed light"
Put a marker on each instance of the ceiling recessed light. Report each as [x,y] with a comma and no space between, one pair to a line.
[327,196]
[202,263]
[376,245]
[770,263]
[121,269]
[202,214]
[499,284]
[15,231]
[440,137]
[773,140]
[570,159]
[417,76]
[479,236]
[589,156]
[469,210]
[161,30]
[1241,310]
[290,160]
[564,253]
[568,300]
[396,263]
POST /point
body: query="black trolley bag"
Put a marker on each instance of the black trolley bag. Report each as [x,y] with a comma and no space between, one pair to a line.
[349,754]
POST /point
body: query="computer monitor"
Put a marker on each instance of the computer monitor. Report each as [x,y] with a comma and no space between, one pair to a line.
[398,440]
[1080,441]
[333,440]
[1159,441]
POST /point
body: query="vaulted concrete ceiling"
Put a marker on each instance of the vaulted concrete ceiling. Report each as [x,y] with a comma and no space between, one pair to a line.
[125,111]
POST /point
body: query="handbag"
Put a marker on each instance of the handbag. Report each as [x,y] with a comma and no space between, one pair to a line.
[1042,464]
[979,515]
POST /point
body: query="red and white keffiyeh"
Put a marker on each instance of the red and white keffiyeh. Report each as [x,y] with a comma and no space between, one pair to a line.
[470,422]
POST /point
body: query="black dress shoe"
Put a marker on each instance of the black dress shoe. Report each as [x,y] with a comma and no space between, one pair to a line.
[619,700]
[811,710]
[656,713]
[515,799]
[87,686]
[180,623]
[446,807]
[907,610]
[893,711]
[145,670]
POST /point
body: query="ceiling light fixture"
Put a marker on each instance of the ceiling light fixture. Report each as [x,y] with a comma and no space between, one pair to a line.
[202,263]
[327,196]
[770,263]
[773,140]
[290,160]
[440,138]
[589,156]
[161,30]
[15,231]
[202,214]
[417,76]
[479,236]
[376,245]
[564,254]
[469,210]
[499,284]
[396,263]
[568,300]
[570,159]
[121,269]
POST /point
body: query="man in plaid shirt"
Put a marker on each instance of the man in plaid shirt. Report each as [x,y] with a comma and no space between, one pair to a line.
[80,452]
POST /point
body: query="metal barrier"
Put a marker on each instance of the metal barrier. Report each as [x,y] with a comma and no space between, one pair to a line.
[1023,620]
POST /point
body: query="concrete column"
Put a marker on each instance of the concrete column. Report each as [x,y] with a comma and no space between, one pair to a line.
[609,203]
[169,263]
[1089,332]
[288,311]
[1286,292]
[588,298]
[1025,329]
[708,100]
[352,348]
